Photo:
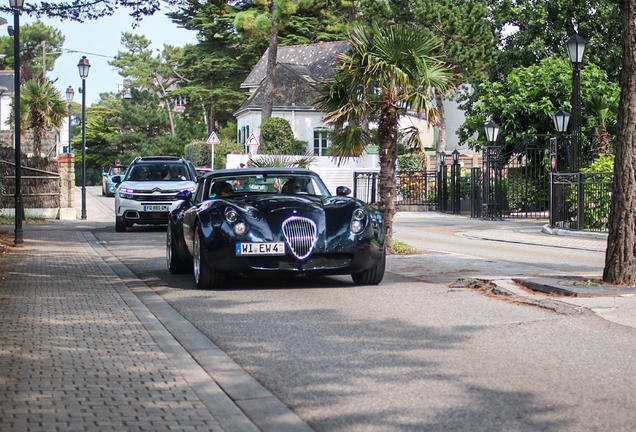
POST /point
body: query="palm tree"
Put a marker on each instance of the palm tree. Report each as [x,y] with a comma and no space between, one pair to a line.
[42,108]
[388,73]
[600,108]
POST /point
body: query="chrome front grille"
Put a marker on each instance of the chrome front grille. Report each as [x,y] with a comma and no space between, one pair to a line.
[301,235]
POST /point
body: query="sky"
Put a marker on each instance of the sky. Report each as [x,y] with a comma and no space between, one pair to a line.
[99,41]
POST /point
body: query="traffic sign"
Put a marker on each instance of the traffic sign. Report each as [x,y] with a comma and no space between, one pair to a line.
[252,141]
[213,139]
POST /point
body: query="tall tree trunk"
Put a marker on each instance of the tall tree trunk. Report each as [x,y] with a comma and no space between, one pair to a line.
[620,257]
[211,119]
[268,97]
[388,132]
[441,124]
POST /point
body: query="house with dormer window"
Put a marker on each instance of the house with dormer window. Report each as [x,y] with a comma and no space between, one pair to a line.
[300,71]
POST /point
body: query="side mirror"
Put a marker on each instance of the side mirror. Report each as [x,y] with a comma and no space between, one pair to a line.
[185,195]
[343,191]
[117,179]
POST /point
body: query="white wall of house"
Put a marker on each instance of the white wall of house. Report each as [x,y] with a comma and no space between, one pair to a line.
[302,122]
[63,147]
[5,111]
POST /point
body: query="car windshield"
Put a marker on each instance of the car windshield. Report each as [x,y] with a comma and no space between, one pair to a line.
[158,171]
[117,170]
[259,183]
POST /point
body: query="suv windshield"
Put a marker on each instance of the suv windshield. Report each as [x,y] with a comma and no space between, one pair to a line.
[159,171]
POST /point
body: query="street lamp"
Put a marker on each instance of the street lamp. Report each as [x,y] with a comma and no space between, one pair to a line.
[17,5]
[83,66]
[492,131]
[441,189]
[492,161]
[455,179]
[69,98]
[576,47]
[561,120]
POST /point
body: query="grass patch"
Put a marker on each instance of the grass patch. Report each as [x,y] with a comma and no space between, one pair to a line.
[10,220]
[402,248]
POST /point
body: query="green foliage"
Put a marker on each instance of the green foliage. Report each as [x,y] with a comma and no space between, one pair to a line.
[31,37]
[281,160]
[42,107]
[525,102]
[602,164]
[411,162]
[533,31]
[401,248]
[277,138]
[199,153]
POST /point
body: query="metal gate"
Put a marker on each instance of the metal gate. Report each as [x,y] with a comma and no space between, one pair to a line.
[515,184]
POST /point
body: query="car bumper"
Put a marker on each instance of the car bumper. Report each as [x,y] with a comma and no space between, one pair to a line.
[357,259]
[136,212]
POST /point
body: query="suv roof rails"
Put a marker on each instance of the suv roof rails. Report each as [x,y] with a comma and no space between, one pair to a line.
[173,158]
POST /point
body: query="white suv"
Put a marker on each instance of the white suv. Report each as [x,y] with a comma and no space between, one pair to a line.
[146,194]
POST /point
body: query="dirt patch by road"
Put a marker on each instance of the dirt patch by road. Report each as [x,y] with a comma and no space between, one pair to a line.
[6,241]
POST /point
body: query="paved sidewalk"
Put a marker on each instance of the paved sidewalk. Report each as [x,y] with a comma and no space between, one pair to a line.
[89,347]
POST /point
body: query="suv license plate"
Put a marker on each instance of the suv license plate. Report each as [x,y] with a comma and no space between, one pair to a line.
[275,248]
[153,208]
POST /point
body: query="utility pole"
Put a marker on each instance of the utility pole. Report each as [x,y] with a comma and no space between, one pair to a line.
[43,60]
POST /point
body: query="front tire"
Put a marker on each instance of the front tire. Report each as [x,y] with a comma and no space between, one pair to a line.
[205,277]
[374,275]
[120,225]
[174,262]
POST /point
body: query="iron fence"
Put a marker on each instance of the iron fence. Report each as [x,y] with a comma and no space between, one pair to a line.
[581,201]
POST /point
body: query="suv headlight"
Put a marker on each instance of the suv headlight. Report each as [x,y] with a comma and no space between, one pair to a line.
[126,192]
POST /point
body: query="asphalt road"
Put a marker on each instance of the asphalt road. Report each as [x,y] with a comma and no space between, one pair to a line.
[413,354]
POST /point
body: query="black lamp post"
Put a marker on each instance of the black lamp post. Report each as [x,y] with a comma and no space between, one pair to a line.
[83,67]
[455,177]
[69,98]
[561,120]
[492,159]
[17,5]
[576,47]
[441,181]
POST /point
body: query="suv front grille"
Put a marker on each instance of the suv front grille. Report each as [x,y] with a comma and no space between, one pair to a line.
[170,196]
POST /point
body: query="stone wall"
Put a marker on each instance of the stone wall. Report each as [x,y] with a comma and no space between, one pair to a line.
[48,185]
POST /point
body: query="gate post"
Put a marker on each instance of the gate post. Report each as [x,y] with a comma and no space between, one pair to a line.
[491,196]
[67,186]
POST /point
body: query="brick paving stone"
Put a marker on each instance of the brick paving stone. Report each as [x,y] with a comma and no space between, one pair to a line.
[74,356]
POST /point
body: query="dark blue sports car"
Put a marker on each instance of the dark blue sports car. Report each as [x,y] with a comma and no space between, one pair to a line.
[273,221]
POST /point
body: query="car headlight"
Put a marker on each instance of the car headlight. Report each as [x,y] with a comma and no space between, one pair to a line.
[231,215]
[126,193]
[240,228]
[358,221]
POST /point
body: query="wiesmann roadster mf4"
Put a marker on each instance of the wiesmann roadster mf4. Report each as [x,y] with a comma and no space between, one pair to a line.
[257,222]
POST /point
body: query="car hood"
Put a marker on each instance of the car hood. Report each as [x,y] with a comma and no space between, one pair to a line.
[268,204]
[159,185]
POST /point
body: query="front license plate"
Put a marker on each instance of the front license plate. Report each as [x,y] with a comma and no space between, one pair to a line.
[153,208]
[277,248]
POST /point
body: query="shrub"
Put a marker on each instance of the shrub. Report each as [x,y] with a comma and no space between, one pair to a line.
[277,138]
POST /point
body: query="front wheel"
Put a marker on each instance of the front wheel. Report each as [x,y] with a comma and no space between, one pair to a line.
[374,275]
[173,260]
[205,277]
[120,225]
